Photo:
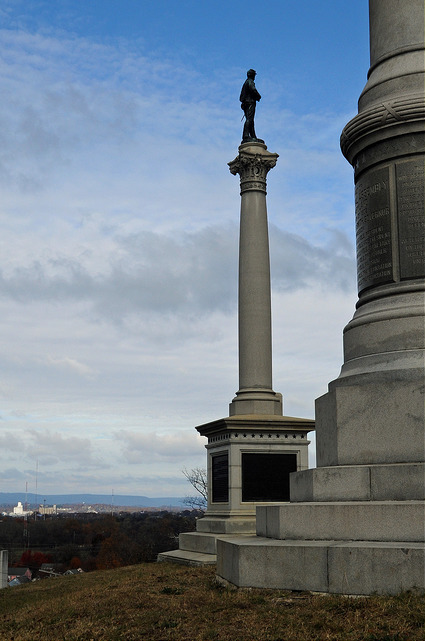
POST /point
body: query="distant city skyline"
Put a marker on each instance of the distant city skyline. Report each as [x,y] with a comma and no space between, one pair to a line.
[25,504]
[119,220]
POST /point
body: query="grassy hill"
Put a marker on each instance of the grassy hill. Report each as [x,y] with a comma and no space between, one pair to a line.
[163,601]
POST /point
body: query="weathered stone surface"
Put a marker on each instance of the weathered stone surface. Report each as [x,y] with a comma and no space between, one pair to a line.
[366,568]
[396,50]
[186,557]
[323,566]
[198,542]
[263,563]
[232,524]
[398,481]
[343,521]
[371,418]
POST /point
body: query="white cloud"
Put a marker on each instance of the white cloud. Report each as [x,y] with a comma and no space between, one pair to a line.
[141,447]
[71,364]
[118,276]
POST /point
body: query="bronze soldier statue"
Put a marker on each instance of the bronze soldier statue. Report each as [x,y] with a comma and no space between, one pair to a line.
[249,97]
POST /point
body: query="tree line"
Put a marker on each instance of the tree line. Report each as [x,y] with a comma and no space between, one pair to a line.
[93,542]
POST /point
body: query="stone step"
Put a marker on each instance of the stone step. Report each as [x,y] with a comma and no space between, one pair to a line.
[203,542]
[198,542]
[389,482]
[187,557]
[344,521]
[235,524]
[362,567]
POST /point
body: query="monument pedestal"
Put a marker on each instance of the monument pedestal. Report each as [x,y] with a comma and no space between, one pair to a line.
[250,458]
[356,524]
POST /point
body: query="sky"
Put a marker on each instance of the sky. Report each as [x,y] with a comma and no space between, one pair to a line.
[119,225]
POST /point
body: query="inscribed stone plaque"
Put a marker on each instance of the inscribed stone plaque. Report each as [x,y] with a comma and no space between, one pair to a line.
[265,477]
[373,229]
[411,218]
[220,478]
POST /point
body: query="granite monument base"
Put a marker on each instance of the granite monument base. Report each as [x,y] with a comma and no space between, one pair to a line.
[250,459]
[339,567]
[356,523]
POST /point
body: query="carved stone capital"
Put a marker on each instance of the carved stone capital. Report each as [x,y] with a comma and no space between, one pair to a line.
[253,164]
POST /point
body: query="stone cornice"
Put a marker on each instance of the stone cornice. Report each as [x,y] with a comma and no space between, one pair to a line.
[257,423]
[385,115]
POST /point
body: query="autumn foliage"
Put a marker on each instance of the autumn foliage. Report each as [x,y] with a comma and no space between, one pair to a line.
[94,542]
[33,560]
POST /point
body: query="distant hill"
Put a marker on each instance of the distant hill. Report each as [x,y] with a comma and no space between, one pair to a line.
[11,498]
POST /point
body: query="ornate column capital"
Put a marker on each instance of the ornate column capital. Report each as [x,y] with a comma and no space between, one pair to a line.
[253,164]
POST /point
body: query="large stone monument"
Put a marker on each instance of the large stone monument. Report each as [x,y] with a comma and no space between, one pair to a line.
[356,524]
[252,452]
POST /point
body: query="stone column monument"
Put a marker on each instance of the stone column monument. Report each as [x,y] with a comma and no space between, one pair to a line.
[252,452]
[356,524]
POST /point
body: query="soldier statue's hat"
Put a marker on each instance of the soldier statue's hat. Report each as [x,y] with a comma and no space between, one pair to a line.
[251,72]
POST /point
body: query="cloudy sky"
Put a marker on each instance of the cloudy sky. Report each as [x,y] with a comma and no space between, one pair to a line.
[119,225]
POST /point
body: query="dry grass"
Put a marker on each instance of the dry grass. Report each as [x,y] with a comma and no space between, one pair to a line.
[164,601]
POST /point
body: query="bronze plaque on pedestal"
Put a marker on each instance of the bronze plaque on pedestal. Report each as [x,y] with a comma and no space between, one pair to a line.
[220,478]
[265,477]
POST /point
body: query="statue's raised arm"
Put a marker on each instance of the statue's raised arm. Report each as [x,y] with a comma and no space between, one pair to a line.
[249,98]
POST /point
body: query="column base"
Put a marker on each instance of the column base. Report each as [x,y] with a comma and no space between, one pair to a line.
[256,401]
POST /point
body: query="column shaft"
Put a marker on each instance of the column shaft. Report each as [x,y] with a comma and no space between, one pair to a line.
[255,333]
[255,395]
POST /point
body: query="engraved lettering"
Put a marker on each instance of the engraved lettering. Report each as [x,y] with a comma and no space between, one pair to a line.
[411,218]
[373,229]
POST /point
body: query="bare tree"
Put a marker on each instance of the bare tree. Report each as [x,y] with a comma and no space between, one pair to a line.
[197,477]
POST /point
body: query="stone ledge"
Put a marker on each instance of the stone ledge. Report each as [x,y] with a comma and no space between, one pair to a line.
[186,557]
[398,481]
[362,567]
[206,543]
[344,521]
[267,422]
[217,525]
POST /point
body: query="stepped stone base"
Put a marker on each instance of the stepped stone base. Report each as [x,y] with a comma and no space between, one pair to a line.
[402,481]
[344,521]
[198,542]
[339,567]
[226,525]
[349,547]
[196,548]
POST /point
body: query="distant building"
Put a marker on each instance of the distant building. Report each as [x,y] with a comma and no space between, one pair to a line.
[73,571]
[19,580]
[19,573]
[19,510]
[43,509]
[48,570]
